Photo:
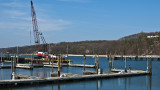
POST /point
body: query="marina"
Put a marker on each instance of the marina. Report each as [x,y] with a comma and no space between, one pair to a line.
[92,71]
[67,77]
[79,45]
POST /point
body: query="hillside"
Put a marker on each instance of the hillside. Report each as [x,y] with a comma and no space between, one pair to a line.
[137,44]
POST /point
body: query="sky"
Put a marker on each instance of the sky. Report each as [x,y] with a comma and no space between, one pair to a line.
[76,20]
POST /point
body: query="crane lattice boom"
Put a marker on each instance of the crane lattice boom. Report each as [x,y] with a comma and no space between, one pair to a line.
[37,34]
[35,26]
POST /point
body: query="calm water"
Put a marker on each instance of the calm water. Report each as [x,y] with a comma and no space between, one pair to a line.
[126,83]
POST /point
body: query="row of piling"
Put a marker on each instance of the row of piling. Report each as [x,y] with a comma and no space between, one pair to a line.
[111,63]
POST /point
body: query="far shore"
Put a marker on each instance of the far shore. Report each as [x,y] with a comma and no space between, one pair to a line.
[155,56]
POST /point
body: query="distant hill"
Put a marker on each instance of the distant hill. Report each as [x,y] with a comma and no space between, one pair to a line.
[139,35]
[136,44]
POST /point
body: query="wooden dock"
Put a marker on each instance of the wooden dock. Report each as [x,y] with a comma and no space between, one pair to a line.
[29,66]
[81,65]
[49,65]
[69,77]
[70,65]
[24,66]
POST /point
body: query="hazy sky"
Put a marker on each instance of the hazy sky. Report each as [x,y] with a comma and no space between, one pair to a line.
[76,20]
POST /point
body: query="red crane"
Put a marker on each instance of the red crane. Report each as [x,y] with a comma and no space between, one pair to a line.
[37,34]
[35,26]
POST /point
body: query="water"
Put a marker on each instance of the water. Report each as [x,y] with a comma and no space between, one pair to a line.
[145,82]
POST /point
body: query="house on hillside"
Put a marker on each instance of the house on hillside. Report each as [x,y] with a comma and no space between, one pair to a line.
[153,36]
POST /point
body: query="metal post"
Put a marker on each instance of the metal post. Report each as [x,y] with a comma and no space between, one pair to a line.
[125,64]
[84,57]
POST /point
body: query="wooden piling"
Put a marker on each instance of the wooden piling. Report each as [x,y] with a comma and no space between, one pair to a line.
[14,62]
[1,57]
[59,66]
[11,66]
[1,60]
[52,64]
[84,57]
[150,65]
[97,63]
[95,60]
[110,64]
[32,60]
[147,64]
[125,65]
[17,55]
[112,59]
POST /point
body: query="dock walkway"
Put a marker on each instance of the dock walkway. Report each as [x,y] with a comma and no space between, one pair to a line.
[71,77]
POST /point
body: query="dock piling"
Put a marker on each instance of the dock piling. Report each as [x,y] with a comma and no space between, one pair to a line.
[95,60]
[17,55]
[52,64]
[59,65]
[1,60]
[84,57]
[150,65]
[32,61]
[112,59]
[110,64]
[125,64]
[11,66]
[97,63]
[147,64]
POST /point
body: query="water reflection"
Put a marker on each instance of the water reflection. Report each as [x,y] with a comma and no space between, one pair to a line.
[99,84]
[31,72]
[58,86]
[128,83]
[149,82]
[125,84]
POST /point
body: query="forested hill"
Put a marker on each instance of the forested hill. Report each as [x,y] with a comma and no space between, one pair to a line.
[137,44]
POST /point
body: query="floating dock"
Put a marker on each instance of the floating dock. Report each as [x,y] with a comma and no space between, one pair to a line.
[70,65]
[50,65]
[29,66]
[81,65]
[24,66]
[69,77]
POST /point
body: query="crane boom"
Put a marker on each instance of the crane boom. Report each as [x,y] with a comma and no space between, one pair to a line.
[37,34]
[35,26]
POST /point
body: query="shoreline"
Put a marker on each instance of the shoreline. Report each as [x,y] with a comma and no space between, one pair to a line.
[89,55]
